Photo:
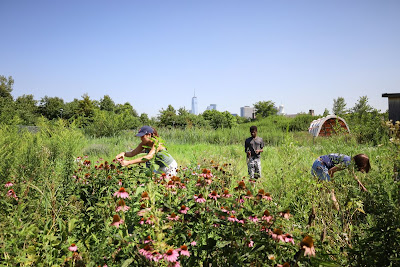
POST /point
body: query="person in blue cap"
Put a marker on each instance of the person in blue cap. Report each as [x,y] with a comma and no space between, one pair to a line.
[153,148]
[325,166]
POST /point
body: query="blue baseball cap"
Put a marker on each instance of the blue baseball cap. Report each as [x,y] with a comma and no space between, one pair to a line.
[145,130]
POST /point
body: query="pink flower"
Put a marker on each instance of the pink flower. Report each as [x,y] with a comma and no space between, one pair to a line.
[226,194]
[184,209]
[171,255]
[288,238]
[193,243]
[117,221]
[266,216]
[251,244]
[277,235]
[73,247]
[173,217]
[206,173]
[253,219]
[8,184]
[184,251]
[121,193]
[213,195]
[285,214]
[307,244]
[11,193]
[120,182]
[146,251]
[267,196]
[224,210]
[199,198]
[122,206]
[232,218]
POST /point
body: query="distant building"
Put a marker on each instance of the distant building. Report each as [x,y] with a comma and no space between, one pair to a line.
[194,110]
[247,112]
[212,107]
[394,106]
[281,110]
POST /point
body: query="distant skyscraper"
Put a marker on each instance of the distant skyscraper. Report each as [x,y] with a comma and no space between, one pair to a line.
[247,112]
[212,106]
[195,111]
[281,110]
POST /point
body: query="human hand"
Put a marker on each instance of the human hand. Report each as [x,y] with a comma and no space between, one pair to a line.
[123,162]
[120,156]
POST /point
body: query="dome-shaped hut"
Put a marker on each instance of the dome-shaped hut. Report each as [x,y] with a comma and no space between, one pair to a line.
[327,126]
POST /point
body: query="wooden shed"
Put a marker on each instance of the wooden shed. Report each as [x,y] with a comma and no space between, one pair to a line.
[394,106]
[328,125]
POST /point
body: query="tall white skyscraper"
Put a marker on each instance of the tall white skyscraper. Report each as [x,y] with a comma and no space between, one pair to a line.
[195,111]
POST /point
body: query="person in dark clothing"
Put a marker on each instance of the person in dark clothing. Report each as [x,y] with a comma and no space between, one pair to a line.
[253,146]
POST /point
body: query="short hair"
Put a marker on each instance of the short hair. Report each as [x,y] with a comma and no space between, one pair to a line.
[253,128]
[362,162]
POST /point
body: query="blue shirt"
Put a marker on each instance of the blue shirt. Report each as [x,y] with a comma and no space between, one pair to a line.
[332,160]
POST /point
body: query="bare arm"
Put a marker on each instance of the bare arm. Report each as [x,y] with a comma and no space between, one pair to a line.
[143,159]
[334,169]
[136,151]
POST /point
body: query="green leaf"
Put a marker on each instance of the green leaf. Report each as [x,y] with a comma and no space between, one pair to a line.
[127,262]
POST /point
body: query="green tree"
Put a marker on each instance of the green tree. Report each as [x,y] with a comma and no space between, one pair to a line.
[219,119]
[339,106]
[6,87]
[26,108]
[326,112]
[362,107]
[127,107]
[168,116]
[144,119]
[52,107]
[106,103]
[265,108]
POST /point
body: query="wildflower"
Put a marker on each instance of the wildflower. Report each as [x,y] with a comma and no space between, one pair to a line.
[143,211]
[149,220]
[170,184]
[226,194]
[8,184]
[277,235]
[248,194]
[241,186]
[266,216]
[286,264]
[288,238]
[171,255]
[156,256]
[122,206]
[116,221]
[253,218]
[184,251]
[199,198]
[213,195]
[232,218]
[146,251]
[121,193]
[73,247]
[141,222]
[285,214]
[145,196]
[184,209]
[120,182]
[251,244]
[206,173]
[267,196]
[173,217]
[307,244]
[148,240]
[193,243]
[224,210]
[271,257]
[11,193]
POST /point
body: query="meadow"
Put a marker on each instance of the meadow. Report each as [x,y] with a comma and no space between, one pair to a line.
[67,202]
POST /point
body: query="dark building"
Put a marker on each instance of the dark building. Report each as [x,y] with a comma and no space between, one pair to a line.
[394,106]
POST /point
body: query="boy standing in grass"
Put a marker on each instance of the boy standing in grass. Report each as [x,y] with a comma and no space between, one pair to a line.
[253,146]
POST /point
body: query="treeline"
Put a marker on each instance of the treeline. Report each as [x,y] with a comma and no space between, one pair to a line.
[106,118]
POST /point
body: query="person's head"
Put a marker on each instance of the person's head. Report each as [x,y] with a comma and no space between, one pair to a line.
[253,131]
[362,163]
[147,132]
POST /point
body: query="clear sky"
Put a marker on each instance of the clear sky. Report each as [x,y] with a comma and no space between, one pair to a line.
[300,54]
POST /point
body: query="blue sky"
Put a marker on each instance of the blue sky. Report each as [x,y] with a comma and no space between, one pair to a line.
[300,54]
